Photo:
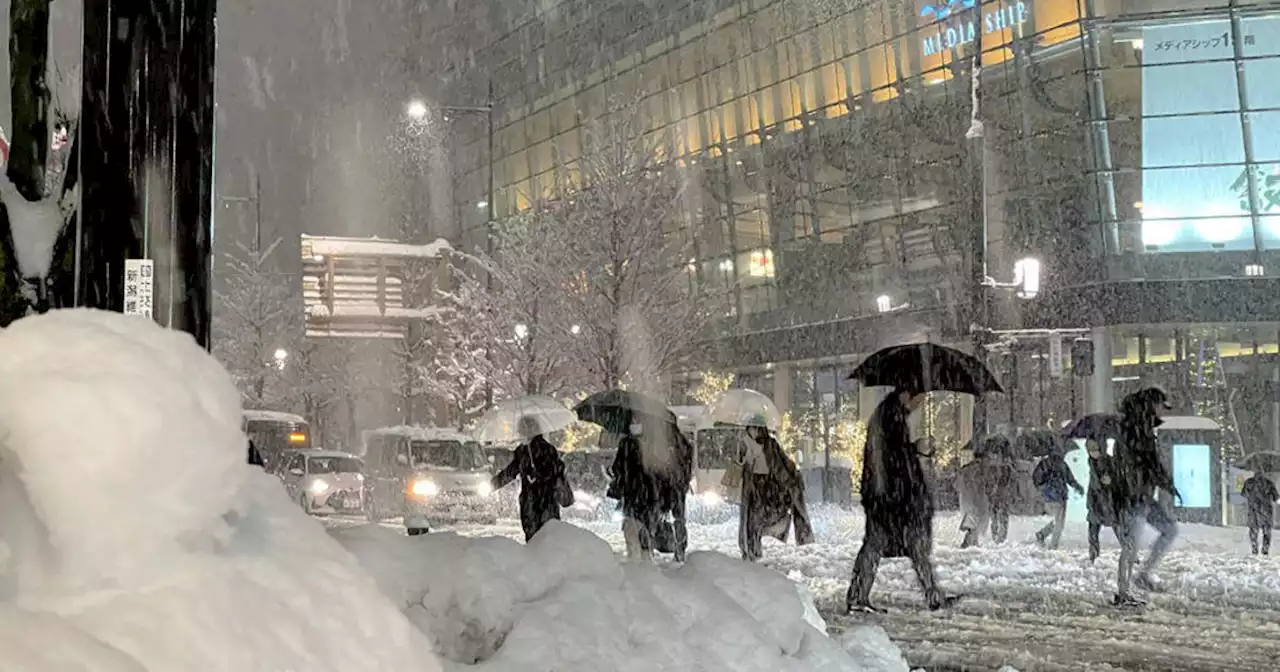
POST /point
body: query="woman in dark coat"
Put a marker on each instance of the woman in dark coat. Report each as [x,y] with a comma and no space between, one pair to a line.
[1101,507]
[897,503]
[772,496]
[638,493]
[543,486]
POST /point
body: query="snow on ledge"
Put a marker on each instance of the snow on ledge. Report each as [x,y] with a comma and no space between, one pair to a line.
[326,246]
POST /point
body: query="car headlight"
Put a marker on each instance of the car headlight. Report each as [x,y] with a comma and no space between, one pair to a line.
[424,488]
[484,489]
[711,498]
[319,487]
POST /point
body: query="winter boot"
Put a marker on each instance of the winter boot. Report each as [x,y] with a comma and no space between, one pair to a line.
[944,602]
[1144,581]
[1126,600]
[861,608]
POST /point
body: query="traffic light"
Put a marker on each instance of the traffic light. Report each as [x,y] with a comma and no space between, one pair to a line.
[1082,357]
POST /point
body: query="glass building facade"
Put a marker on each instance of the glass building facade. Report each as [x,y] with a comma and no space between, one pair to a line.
[1131,145]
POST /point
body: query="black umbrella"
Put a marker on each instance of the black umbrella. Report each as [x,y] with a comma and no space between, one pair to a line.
[1038,443]
[615,409]
[1096,426]
[926,367]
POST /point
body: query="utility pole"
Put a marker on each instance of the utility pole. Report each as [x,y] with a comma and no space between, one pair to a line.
[976,145]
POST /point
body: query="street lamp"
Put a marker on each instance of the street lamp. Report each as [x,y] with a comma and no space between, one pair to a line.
[1026,277]
[416,109]
[575,330]
[521,331]
[884,303]
[280,356]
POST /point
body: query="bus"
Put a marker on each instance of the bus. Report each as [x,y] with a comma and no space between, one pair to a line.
[273,432]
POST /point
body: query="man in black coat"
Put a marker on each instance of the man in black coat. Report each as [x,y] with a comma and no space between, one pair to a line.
[543,486]
[897,502]
[1261,495]
[1138,472]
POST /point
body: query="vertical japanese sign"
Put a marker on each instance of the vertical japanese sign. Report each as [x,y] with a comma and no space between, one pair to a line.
[1055,355]
[139,282]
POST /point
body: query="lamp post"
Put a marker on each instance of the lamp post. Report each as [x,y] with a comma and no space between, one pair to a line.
[418,110]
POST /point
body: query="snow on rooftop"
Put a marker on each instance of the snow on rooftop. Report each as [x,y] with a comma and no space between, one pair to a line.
[421,433]
[325,246]
[1189,423]
[372,310]
[272,416]
[135,536]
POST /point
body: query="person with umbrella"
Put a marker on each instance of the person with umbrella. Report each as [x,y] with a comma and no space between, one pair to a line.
[1261,495]
[1053,477]
[772,495]
[1138,474]
[895,493]
[1098,430]
[544,489]
[651,465]
[637,493]
[984,486]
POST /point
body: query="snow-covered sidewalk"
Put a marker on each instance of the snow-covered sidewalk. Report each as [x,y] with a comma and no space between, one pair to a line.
[1034,608]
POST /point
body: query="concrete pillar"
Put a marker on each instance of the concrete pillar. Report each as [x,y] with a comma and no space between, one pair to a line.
[1275,408]
[1100,391]
[782,387]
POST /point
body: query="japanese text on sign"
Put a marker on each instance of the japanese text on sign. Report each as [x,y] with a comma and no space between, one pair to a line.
[138,284]
[1223,40]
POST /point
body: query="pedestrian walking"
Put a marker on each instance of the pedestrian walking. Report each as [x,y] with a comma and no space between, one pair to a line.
[772,495]
[1099,500]
[898,504]
[1261,495]
[985,488]
[638,494]
[1139,473]
[1053,478]
[544,489]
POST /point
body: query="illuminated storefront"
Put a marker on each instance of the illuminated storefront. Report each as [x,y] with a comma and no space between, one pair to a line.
[830,185]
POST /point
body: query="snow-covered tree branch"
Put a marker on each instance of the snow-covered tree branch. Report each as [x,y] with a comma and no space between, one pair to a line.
[256,313]
[589,288]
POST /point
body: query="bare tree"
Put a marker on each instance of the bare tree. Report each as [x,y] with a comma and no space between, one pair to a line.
[317,375]
[639,309]
[507,315]
[257,310]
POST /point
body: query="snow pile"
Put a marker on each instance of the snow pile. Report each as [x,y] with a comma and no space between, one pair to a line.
[871,648]
[564,603]
[134,537]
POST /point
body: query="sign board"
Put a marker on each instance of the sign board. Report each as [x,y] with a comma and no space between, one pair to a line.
[139,281]
[958,27]
[1055,355]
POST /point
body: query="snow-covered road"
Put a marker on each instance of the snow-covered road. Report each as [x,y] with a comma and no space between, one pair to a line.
[1033,608]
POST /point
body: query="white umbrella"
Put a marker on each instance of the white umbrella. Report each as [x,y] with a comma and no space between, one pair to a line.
[745,408]
[502,423]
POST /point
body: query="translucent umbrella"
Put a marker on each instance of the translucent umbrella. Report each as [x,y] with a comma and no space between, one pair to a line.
[502,423]
[745,408]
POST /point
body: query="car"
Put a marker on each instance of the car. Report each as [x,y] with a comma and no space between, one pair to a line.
[324,481]
[428,475]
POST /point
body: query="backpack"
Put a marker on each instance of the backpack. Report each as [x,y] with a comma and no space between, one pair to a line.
[1041,475]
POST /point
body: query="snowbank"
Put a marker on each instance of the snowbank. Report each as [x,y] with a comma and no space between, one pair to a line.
[564,603]
[134,537]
